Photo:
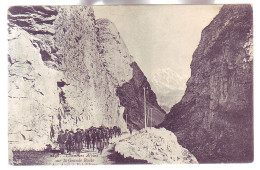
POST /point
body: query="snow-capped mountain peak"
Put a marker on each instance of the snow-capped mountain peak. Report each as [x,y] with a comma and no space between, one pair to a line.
[165,80]
[169,87]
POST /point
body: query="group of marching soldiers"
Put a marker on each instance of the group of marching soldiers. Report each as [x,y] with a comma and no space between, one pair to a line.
[92,138]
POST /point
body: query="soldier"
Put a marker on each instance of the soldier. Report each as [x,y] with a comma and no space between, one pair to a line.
[107,136]
[61,141]
[104,134]
[111,133]
[72,134]
[78,140]
[115,130]
[94,138]
[88,138]
[98,140]
[84,132]
[68,140]
[119,131]
[130,130]
[83,137]
[100,144]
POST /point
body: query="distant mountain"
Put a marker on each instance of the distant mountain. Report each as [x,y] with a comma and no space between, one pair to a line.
[167,100]
[168,86]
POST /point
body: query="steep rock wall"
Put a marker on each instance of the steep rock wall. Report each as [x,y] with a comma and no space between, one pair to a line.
[33,75]
[64,71]
[214,119]
[131,96]
[89,93]
[130,78]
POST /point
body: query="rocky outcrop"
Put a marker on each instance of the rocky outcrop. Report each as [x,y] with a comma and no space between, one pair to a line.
[214,119]
[156,146]
[33,75]
[130,78]
[131,95]
[65,69]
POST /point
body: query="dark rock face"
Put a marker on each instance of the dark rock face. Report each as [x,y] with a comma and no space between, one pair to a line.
[30,16]
[131,95]
[214,119]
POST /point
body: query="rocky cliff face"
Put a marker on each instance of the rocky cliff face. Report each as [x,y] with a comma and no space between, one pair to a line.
[214,119]
[65,69]
[131,95]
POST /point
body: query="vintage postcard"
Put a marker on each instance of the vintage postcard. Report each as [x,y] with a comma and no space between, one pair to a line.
[144,84]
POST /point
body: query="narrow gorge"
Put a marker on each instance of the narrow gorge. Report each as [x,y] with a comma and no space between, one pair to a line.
[68,69]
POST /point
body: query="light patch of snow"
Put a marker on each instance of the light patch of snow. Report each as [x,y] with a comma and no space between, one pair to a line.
[165,80]
[168,86]
[157,146]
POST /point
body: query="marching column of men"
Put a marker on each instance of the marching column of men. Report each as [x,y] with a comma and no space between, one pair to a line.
[92,138]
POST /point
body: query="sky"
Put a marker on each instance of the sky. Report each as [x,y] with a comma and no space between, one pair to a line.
[160,36]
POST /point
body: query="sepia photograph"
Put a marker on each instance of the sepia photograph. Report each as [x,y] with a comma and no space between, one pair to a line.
[130,84]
